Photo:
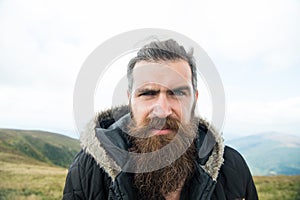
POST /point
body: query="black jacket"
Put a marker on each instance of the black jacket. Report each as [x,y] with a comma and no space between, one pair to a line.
[96,172]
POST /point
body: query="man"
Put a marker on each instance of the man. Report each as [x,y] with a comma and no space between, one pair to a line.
[156,147]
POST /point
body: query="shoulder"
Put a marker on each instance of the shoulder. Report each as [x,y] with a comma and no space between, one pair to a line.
[82,159]
[85,177]
[84,163]
[235,180]
[84,167]
[233,159]
[81,164]
[235,166]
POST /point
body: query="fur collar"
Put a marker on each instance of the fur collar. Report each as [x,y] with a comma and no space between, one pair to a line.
[115,117]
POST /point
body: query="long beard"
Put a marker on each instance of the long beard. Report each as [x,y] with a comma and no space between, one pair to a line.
[157,184]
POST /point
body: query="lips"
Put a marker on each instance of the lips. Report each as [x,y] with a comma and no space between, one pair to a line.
[162,131]
[163,126]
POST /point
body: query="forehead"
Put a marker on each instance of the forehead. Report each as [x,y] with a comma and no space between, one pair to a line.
[166,73]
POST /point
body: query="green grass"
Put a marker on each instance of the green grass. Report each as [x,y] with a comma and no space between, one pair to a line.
[31,181]
[278,187]
[21,181]
[30,160]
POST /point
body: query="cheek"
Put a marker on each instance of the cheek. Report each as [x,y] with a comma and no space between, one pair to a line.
[139,111]
[186,110]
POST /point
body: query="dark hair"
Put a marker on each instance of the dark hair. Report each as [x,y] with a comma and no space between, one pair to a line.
[162,51]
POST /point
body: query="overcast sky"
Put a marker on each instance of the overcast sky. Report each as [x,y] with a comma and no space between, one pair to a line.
[254,45]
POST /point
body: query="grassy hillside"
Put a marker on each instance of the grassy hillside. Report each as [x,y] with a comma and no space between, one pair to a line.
[42,182]
[33,146]
[278,187]
[20,181]
[33,166]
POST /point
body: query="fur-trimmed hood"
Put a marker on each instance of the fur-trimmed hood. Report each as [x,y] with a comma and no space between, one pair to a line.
[105,137]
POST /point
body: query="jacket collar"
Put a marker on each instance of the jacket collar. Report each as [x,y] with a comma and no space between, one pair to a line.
[209,143]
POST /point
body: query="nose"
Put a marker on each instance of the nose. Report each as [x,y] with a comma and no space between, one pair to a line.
[162,107]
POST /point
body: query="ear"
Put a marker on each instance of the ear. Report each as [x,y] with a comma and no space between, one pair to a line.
[129,96]
[196,95]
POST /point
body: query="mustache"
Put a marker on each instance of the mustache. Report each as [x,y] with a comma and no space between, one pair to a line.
[162,123]
[141,130]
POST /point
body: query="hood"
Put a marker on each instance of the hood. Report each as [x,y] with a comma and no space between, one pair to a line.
[111,124]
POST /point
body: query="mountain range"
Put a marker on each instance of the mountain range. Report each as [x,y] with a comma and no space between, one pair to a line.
[266,153]
[270,153]
[37,147]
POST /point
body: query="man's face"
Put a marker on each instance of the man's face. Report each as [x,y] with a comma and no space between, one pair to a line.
[162,90]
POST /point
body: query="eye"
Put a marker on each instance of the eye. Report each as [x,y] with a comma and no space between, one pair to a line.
[177,93]
[148,93]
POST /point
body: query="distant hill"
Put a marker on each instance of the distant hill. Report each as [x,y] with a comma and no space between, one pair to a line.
[270,153]
[266,154]
[37,147]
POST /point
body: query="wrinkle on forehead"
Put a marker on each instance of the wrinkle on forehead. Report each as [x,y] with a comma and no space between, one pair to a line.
[168,74]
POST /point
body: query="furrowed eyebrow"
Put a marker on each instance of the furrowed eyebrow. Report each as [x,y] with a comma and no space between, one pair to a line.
[182,88]
[147,90]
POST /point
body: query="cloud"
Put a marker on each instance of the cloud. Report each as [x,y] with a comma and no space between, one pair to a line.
[246,31]
[258,116]
[44,43]
[36,108]
[36,48]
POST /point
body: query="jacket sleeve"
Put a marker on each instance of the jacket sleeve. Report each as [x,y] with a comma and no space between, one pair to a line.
[250,189]
[85,180]
[235,180]
[251,192]
[73,189]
